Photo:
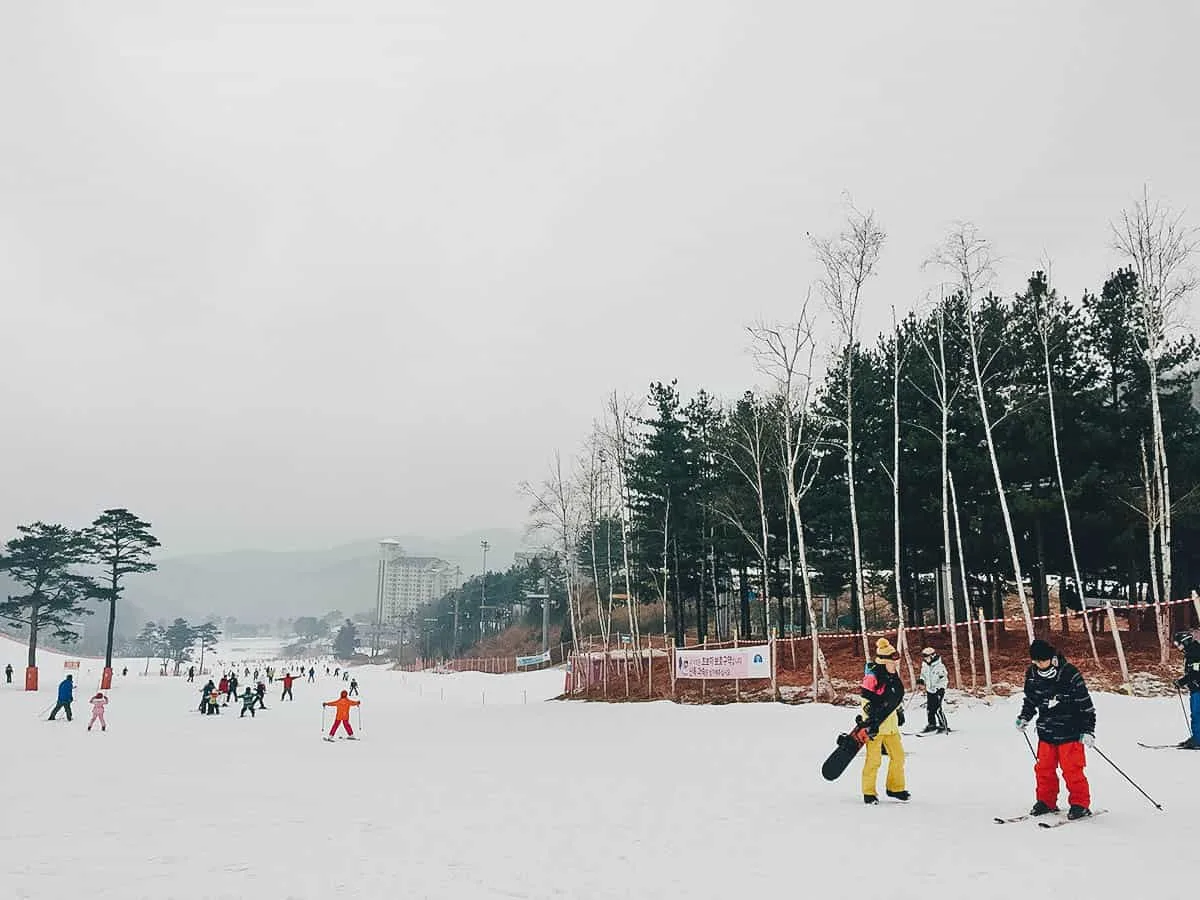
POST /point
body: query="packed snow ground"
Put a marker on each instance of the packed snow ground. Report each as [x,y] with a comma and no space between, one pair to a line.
[472,786]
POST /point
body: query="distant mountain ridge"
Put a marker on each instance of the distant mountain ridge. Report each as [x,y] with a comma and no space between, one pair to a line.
[264,585]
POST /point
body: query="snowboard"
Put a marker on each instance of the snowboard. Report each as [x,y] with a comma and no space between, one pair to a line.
[837,761]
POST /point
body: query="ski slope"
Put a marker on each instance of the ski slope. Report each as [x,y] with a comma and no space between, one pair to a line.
[474,786]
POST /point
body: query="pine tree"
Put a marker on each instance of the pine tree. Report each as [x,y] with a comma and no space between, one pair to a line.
[42,559]
[121,543]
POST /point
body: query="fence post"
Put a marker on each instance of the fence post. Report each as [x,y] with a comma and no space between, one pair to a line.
[987,660]
[771,644]
[737,684]
[671,662]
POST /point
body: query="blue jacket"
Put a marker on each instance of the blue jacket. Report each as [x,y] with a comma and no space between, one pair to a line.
[66,691]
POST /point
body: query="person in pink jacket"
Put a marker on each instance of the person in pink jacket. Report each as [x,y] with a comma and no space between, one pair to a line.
[98,703]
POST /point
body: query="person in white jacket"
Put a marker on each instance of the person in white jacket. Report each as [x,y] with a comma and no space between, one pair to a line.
[935,680]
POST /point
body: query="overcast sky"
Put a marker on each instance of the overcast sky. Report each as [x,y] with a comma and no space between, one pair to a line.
[286,275]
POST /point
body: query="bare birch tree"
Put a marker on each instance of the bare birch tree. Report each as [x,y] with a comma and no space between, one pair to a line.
[785,354]
[849,259]
[945,393]
[620,414]
[554,508]
[746,449]
[1159,247]
[899,350]
[968,257]
[1044,322]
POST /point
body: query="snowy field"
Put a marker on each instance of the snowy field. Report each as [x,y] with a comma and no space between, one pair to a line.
[471,786]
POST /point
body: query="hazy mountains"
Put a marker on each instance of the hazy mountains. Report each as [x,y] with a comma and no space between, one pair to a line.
[262,586]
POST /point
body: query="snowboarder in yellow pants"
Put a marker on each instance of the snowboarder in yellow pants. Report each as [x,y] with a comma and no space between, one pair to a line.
[882,716]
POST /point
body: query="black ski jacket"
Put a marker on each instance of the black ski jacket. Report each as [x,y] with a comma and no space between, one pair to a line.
[1191,668]
[1062,704]
[882,694]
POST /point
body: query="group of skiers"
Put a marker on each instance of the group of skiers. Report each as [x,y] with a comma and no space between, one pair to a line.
[1055,695]
[253,700]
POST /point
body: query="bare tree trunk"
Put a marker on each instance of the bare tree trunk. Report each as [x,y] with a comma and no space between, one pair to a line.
[962,560]
[901,636]
[969,256]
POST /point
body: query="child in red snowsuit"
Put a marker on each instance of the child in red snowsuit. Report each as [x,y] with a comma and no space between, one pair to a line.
[342,715]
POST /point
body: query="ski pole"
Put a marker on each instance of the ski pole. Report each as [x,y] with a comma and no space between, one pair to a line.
[1029,744]
[1126,777]
[1186,717]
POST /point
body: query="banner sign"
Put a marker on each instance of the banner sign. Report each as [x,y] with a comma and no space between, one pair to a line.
[740,662]
[71,664]
[533,660]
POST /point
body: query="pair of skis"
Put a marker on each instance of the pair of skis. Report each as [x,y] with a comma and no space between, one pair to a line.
[1057,820]
[1164,746]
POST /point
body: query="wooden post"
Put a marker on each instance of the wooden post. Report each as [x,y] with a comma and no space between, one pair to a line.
[604,677]
[650,672]
[704,681]
[737,684]
[626,672]
[774,662]
[671,662]
[987,659]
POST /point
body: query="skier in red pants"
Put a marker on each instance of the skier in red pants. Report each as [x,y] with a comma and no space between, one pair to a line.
[342,706]
[1066,723]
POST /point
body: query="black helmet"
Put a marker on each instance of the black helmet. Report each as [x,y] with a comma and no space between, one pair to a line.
[1182,638]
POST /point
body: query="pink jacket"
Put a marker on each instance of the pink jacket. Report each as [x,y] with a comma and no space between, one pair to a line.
[98,705]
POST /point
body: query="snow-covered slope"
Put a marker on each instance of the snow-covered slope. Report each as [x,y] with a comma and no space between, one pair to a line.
[471,786]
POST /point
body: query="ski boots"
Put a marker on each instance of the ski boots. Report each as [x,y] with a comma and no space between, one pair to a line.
[1078,812]
[1041,809]
[870,799]
[899,795]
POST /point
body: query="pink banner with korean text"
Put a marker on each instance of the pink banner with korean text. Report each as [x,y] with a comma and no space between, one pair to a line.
[740,662]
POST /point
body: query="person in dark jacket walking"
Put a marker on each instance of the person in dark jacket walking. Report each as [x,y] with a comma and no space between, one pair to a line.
[260,691]
[1066,723]
[879,725]
[1187,644]
[191,674]
[353,687]
[66,694]
[8,674]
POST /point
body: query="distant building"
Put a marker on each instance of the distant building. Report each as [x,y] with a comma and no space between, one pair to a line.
[407,582]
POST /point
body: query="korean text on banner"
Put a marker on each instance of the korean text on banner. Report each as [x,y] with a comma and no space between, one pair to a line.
[71,664]
[534,660]
[739,662]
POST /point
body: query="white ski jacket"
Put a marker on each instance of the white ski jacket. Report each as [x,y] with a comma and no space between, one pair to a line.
[934,675]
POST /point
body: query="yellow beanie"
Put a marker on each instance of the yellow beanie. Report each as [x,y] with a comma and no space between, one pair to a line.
[884,650]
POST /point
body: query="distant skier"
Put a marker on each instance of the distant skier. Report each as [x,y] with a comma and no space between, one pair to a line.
[205,692]
[353,687]
[214,703]
[336,671]
[935,680]
[288,679]
[124,671]
[223,687]
[1066,723]
[66,694]
[1186,643]
[260,691]
[191,674]
[248,698]
[8,674]
[233,686]
[312,674]
[341,717]
[346,675]
[99,701]
[879,725]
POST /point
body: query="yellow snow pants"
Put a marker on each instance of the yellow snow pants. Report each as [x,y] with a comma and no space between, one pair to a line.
[895,770]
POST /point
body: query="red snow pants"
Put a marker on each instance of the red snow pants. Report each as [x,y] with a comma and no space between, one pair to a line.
[1070,757]
[337,722]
